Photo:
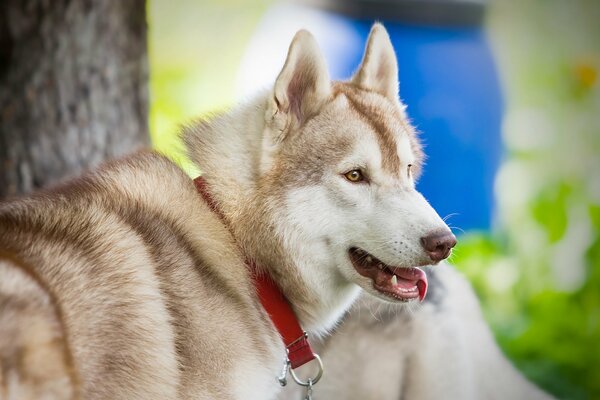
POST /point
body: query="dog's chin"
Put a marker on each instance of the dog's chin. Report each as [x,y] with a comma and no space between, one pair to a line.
[388,282]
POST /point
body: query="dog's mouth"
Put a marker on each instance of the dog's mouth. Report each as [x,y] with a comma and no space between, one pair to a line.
[401,283]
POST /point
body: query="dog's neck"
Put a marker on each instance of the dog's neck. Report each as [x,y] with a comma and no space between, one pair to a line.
[228,149]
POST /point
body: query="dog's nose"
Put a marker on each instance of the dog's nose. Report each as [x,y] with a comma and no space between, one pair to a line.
[438,244]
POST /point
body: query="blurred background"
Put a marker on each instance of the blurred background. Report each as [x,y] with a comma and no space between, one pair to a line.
[507,100]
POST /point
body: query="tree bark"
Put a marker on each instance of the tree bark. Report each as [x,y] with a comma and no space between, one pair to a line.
[73,87]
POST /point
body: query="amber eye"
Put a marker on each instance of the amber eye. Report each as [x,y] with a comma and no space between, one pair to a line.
[355,176]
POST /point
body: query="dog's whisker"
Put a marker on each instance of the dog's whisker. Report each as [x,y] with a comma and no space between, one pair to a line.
[456,228]
[447,217]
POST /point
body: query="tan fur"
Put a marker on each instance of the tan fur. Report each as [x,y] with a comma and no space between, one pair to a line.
[34,359]
[384,117]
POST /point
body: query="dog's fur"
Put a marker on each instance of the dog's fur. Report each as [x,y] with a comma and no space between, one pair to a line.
[124,284]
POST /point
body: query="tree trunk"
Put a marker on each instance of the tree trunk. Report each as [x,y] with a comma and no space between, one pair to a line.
[73,87]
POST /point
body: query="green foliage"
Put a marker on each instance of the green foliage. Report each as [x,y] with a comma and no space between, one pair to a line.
[550,208]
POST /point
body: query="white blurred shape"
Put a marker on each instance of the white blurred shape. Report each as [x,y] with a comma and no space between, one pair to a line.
[502,275]
[529,129]
[516,183]
[568,255]
[268,48]
[593,184]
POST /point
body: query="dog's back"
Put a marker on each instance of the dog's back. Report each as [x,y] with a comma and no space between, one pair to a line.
[100,282]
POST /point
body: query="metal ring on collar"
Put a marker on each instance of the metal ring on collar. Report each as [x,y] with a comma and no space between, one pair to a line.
[311,381]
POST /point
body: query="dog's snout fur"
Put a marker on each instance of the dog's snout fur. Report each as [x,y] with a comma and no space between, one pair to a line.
[438,244]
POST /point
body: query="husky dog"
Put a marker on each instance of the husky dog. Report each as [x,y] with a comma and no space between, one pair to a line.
[439,349]
[125,284]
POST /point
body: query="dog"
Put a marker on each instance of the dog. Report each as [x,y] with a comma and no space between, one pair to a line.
[439,349]
[127,283]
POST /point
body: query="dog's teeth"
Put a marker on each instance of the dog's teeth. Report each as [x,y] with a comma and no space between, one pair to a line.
[369,259]
[394,280]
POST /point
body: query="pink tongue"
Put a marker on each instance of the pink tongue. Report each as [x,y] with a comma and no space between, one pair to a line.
[422,286]
[414,274]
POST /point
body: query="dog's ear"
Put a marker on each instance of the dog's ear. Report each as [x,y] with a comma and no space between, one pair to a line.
[378,71]
[302,87]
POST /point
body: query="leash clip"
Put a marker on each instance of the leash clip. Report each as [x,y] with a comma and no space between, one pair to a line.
[308,391]
[308,384]
[287,368]
[282,378]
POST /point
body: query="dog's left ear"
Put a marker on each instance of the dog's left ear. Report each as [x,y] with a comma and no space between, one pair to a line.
[378,71]
[302,87]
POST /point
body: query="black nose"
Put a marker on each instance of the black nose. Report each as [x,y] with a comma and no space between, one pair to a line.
[438,244]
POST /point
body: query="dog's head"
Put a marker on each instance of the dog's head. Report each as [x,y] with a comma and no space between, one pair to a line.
[341,159]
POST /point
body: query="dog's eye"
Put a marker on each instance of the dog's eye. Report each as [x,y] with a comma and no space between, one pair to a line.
[408,170]
[355,176]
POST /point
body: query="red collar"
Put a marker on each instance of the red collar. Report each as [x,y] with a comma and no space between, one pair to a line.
[272,300]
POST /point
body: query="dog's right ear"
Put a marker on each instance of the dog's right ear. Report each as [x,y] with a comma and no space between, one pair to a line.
[378,71]
[302,87]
